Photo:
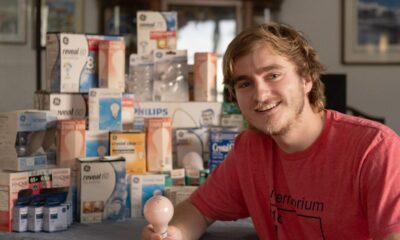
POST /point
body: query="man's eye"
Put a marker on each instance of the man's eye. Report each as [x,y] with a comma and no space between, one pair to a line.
[273,76]
[242,84]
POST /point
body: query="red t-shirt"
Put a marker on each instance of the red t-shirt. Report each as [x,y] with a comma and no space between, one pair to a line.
[346,185]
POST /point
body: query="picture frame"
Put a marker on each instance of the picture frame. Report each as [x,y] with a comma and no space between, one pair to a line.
[371,32]
[61,16]
[13,14]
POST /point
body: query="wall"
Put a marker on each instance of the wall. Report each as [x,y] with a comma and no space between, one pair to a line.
[372,89]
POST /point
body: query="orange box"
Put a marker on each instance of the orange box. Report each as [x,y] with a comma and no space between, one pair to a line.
[205,77]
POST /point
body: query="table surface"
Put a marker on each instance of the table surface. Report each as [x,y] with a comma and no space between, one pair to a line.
[131,229]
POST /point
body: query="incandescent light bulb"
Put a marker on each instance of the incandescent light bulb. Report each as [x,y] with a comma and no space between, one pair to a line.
[158,211]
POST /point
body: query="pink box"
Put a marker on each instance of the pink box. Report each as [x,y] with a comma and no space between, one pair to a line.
[205,77]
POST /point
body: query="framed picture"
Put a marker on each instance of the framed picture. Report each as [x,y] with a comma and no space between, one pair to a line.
[61,16]
[371,32]
[13,21]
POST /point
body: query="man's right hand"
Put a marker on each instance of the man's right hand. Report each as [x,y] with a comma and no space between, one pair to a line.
[173,233]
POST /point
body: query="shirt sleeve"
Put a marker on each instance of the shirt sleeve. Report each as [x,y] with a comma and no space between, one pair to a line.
[380,187]
[220,197]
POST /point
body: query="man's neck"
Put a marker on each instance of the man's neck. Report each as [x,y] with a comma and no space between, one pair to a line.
[303,133]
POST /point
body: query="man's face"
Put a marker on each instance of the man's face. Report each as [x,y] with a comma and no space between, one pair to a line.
[270,93]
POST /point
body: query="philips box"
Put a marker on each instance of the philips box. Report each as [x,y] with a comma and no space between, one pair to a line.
[15,185]
[143,187]
[183,114]
[101,189]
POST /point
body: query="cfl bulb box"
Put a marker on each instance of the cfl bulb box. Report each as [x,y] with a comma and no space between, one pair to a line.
[35,218]
[192,147]
[143,187]
[55,218]
[112,64]
[159,144]
[101,189]
[20,219]
[132,146]
[64,105]
[71,61]
[205,77]
[220,143]
[105,109]
[183,114]
[97,143]
[15,185]
[25,138]
[156,30]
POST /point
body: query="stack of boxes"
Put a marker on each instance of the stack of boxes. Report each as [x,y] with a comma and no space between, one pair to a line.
[114,147]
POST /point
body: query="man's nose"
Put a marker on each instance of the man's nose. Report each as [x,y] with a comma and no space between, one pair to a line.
[262,90]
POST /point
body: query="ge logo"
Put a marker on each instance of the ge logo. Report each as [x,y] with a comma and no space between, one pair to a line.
[86,168]
[142,17]
[57,101]
[65,40]
[136,179]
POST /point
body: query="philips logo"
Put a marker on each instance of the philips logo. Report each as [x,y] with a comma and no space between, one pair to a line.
[151,111]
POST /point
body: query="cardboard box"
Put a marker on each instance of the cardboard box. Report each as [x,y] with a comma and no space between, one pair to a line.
[101,189]
[19,184]
[183,114]
[143,187]
[156,30]
[205,77]
[25,138]
[112,64]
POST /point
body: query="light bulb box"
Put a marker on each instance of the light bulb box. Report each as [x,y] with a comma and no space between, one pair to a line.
[205,77]
[71,61]
[178,194]
[105,109]
[15,185]
[97,143]
[55,218]
[101,189]
[156,30]
[142,187]
[64,105]
[183,114]
[112,64]
[220,143]
[132,146]
[159,144]
[26,137]
[191,146]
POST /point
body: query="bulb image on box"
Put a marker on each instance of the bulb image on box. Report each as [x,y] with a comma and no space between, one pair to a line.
[73,143]
[161,140]
[158,211]
[101,151]
[114,110]
[192,160]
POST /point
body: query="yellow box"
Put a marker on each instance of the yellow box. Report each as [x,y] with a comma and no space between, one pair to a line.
[132,146]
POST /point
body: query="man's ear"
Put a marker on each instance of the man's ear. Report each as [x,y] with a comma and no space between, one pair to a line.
[308,83]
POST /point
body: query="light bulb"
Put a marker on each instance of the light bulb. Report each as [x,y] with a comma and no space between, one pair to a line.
[192,160]
[158,211]
[114,110]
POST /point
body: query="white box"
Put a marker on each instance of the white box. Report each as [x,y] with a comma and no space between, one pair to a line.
[64,105]
[156,30]
[191,147]
[143,187]
[71,61]
[13,184]
[101,189]
[183,114]
[71,142]
[205,77]
[105,109]
[35,218]
[20,219]
[55,218]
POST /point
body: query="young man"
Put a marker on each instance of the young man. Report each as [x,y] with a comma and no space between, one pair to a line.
[300,171]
